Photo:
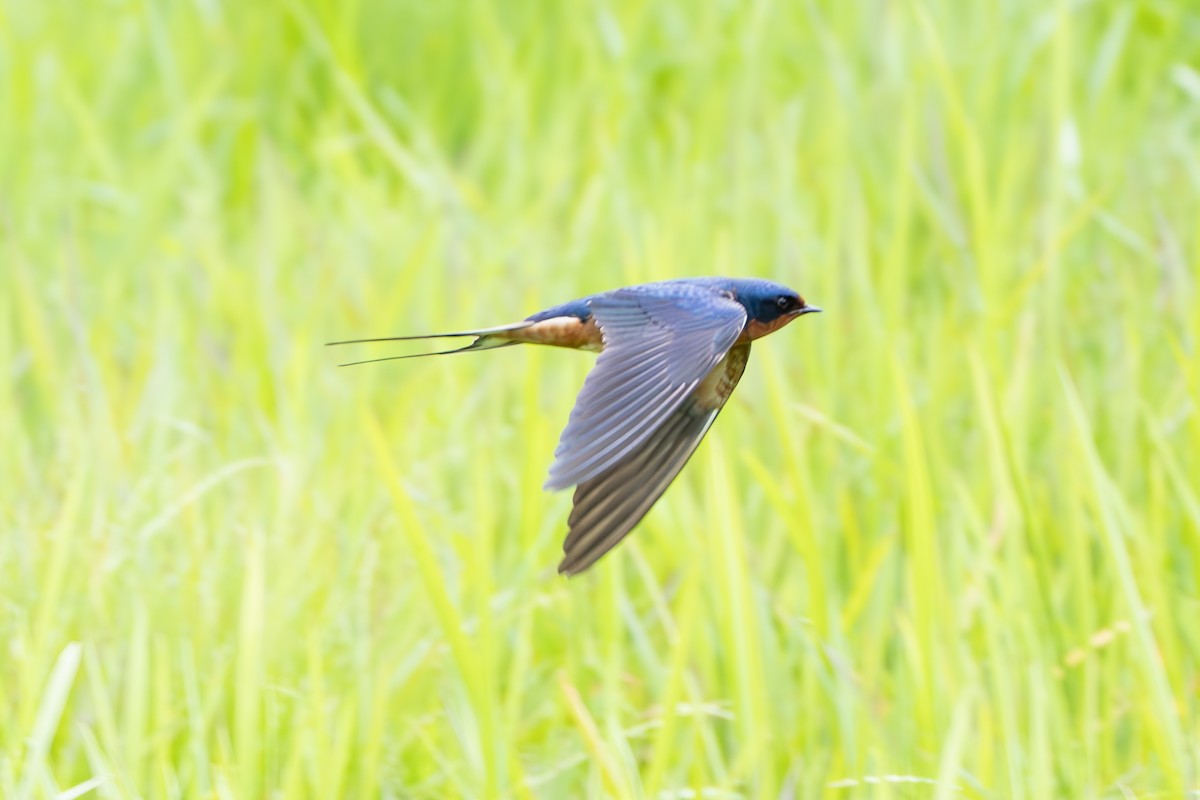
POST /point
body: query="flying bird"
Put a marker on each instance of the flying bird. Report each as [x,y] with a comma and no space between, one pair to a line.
[671,353]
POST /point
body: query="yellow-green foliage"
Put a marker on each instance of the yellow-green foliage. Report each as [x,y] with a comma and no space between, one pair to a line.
[944,542]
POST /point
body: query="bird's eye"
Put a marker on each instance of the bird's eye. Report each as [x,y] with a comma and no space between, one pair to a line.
[784,302]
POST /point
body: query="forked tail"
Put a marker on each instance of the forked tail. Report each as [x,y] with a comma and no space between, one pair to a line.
[485,339]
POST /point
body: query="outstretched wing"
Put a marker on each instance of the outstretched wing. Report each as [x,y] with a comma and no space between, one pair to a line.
[660,341]
[609,505]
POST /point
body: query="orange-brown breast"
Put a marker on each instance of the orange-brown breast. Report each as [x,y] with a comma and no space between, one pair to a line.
[756,330]
[561,332]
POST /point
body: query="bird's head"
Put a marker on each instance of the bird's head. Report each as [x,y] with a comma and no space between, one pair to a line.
[769,306]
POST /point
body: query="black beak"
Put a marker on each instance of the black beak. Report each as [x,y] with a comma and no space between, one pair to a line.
[809,310]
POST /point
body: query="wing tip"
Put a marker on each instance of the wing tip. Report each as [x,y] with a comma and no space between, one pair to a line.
[573,564]
[555,484]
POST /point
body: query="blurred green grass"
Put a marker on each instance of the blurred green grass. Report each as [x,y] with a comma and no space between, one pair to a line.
[948,532]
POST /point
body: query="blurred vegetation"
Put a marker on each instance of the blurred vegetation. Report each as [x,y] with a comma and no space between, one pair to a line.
[945,541]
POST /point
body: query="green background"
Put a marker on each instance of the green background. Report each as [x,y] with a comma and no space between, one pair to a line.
[944,542]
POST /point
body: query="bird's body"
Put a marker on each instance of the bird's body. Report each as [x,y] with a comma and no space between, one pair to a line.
[671,354]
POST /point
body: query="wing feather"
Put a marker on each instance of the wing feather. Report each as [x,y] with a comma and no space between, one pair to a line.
[609,505]
[659,343]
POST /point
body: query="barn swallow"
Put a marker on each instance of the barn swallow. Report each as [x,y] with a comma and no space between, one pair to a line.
[671,353]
